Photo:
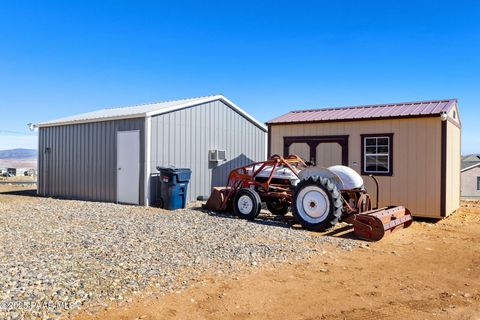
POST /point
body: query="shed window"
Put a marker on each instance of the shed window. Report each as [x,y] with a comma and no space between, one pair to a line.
[377,154]
[478,183]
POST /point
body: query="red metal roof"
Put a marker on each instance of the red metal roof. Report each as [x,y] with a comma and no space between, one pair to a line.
[392,110]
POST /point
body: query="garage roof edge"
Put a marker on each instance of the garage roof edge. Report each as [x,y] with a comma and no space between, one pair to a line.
[146,110]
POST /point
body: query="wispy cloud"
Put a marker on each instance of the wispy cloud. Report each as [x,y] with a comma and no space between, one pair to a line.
[12,141]
[16,133]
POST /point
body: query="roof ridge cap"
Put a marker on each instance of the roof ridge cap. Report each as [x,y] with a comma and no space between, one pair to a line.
[399,104]
[158,102]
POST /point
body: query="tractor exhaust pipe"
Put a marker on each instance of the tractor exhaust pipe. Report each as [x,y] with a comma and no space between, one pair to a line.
[377,192]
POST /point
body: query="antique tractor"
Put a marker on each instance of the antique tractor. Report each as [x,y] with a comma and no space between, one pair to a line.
[318,197]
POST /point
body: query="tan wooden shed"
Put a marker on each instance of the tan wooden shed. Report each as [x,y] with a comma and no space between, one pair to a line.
[412,148]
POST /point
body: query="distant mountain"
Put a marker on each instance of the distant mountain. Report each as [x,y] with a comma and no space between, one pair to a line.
[18,154]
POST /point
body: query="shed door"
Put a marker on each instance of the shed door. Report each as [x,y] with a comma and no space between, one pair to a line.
[128,166]
[301,149]
[328,154]
[325,156]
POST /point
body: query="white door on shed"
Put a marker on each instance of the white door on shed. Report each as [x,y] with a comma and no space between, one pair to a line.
[128,166]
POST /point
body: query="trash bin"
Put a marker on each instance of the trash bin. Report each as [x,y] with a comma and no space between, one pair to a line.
[173,187]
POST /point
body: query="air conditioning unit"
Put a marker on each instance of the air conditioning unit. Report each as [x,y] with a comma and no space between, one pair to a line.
[217,155]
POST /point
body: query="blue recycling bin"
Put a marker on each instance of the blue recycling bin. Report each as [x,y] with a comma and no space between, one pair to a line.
[173,185]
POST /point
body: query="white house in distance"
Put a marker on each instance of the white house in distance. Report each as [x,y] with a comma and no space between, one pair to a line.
[470,176]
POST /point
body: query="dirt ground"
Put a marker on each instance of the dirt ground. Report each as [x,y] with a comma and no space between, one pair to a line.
[16,179]
[429,271]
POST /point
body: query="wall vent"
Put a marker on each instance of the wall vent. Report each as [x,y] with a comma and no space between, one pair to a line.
[217,155]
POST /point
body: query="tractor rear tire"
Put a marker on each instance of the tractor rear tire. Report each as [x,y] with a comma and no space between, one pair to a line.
[247,204]
[317,204]
[278,208]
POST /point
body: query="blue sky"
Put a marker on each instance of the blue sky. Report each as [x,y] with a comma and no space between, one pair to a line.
[59,58]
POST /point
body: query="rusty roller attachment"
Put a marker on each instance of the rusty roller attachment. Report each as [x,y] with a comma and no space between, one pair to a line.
[375,224]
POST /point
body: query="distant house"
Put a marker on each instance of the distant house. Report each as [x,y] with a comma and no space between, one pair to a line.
[17,171]
[470,160]
[470,176]
[22,172]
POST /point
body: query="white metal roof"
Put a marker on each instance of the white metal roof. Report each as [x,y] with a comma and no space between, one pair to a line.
[145,110]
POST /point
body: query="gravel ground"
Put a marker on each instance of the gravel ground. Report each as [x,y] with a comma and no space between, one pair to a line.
[59,255]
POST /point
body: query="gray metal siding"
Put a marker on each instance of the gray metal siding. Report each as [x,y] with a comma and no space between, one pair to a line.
[183,138]
[81,162]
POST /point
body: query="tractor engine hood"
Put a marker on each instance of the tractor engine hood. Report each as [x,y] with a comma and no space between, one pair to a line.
[343,177]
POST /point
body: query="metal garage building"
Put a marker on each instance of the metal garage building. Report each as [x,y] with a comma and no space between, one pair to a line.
[413,149]
[110,154]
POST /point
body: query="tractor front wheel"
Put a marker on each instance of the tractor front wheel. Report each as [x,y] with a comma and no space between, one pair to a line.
[317,203]
[247,204]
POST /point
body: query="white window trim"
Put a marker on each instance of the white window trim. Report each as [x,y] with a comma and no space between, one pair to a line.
[478,184]
[365,154]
